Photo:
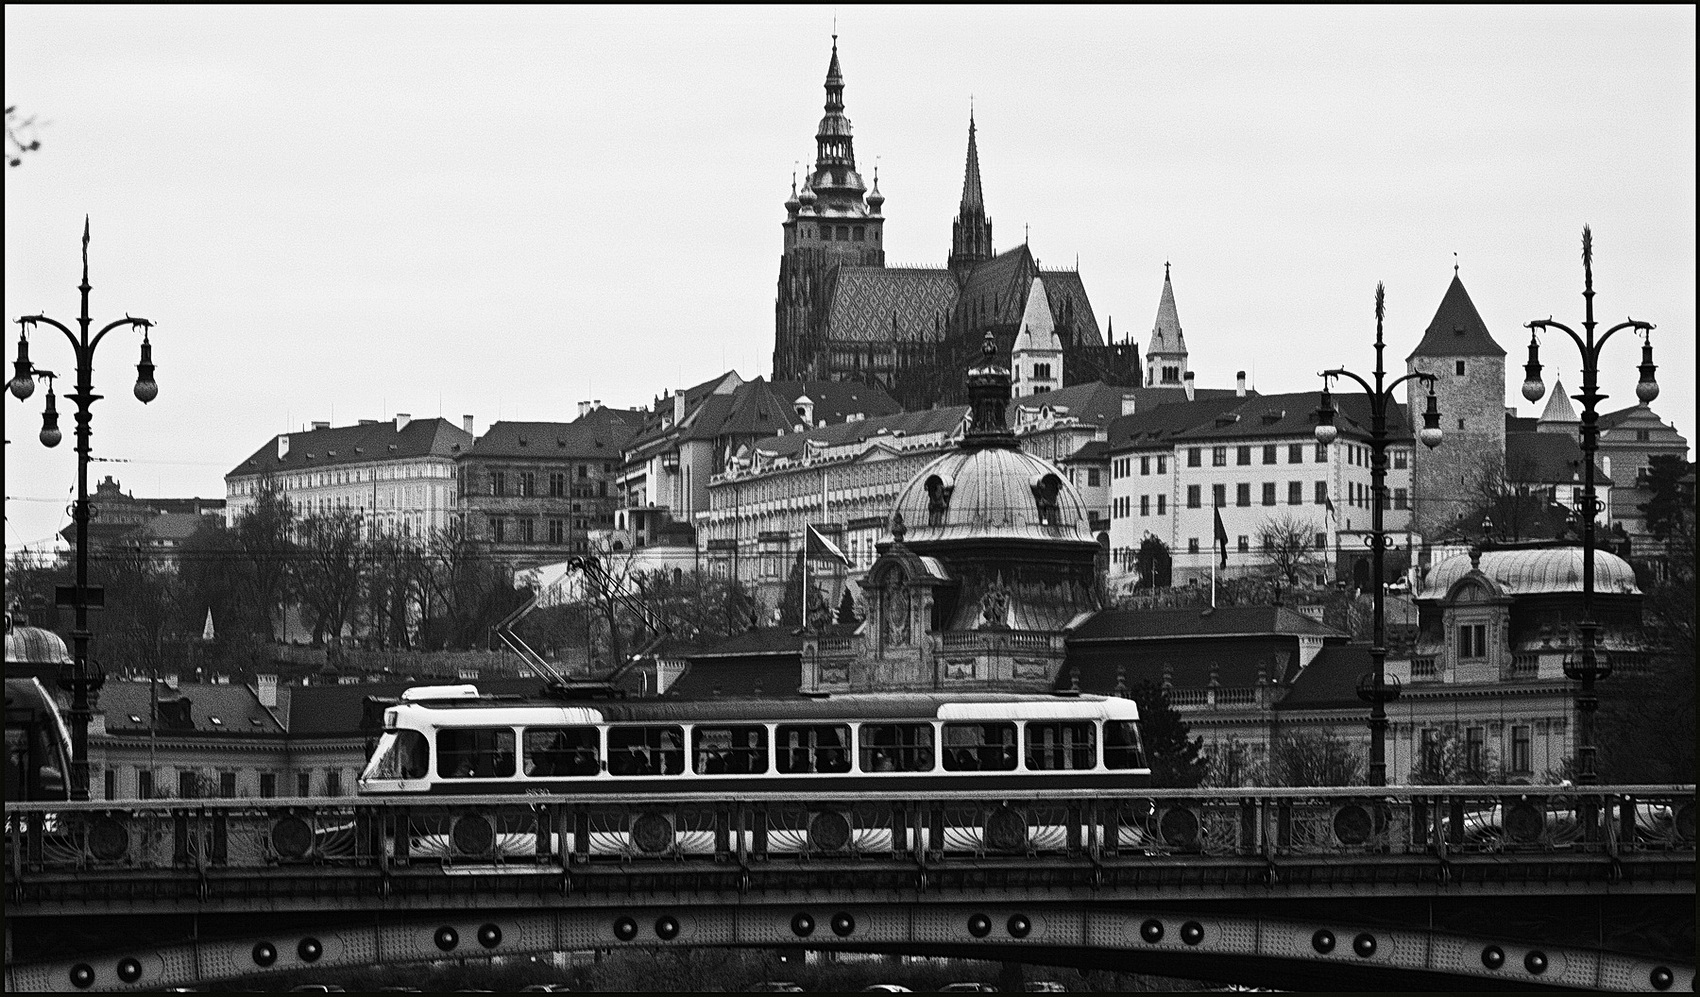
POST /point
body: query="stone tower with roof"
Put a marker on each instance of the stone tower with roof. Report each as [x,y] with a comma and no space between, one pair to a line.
[834,219]
[1165,355]
[1469,371]
[1036,358]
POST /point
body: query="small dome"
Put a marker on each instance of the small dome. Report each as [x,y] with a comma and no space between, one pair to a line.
[807,195]
[35,646]
[992,492]
[1535,571]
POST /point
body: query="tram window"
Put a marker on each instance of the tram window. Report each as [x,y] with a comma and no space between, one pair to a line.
[979,747]
[558,751]
[896,747]
[1122,749]
[729,750]
[657,750]
[1062,746]
[406,757]
[475,753]
[814,748]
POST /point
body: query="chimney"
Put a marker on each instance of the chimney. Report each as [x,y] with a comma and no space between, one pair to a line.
[321,425]
[1239,384]
[282,445]
[265,687]
[678,407]
[401,421]
[595,404]
[1186,380]
[583,409]
[1605,466]
[1129,402]
[466,423]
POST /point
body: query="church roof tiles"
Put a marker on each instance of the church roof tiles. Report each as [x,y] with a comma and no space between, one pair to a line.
[880,304]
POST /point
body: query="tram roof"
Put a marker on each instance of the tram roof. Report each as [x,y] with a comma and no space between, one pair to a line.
[854,706]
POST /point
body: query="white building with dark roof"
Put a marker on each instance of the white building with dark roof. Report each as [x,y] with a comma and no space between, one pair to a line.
[395,475]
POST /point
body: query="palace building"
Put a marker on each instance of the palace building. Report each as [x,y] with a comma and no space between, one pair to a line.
[841,314]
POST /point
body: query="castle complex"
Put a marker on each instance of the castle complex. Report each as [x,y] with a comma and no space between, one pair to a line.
[841,314]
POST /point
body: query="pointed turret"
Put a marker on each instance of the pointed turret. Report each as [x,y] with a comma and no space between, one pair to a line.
[1036,358]
[1457,329]
[1165,355]
[835,178]
[971,234]
[1559,416]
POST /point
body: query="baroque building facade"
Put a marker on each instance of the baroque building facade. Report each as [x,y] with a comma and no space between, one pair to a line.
[842,314]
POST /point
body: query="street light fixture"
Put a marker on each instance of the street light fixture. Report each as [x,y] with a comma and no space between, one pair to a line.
[1592,666]
[1373,687]
[82,682]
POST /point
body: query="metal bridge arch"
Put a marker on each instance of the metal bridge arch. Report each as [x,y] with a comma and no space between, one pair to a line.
[1204,942]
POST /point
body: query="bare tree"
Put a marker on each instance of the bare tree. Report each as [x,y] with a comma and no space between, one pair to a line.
[328,572]
[1315,758]
[1289,545]
[264,532]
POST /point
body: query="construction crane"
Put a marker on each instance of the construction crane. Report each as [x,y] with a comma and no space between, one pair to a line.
[604,585]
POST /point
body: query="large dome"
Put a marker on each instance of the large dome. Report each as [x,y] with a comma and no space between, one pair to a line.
[1535,571]
[992,492]
[35,646]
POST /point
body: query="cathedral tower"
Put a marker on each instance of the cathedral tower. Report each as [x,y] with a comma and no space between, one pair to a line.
[1165,355]
[971,233]
[1469,371]
[834,219]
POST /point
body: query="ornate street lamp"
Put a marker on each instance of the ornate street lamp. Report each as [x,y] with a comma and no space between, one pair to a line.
[82,681]
[1374,687]
[1592,665]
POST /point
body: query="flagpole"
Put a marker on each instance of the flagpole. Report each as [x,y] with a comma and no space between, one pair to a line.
[1213,578]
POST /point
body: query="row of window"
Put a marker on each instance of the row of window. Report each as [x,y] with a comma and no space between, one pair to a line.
[843,233]
[525,483]
[1122,467]
[1474,750]
[524,530]
[193,785]
[754,749]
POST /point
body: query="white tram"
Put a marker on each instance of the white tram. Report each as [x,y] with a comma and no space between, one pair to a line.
[451,740]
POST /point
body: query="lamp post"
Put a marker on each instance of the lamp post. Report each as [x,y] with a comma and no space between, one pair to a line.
[1373,687]
[1591,667]
[82,682]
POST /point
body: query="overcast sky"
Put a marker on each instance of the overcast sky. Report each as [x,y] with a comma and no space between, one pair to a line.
[342,214]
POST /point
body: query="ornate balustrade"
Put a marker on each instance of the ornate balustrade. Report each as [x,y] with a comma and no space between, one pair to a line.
[516,834]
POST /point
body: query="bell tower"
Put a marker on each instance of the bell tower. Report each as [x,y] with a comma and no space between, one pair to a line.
[833,219]
[971,233]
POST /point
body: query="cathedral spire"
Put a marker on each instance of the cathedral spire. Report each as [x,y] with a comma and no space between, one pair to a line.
[971,234]
[1166,354]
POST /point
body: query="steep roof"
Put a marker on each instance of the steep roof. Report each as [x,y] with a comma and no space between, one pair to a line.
[360,444]
[1038,330]
[1166,331]
[603,415]
[1197,621]
[1457,329]
[1158,425]
[836,401]
[1559,414]
[1546,458]
[554,440]
[1096,450]
[880,304]
[1093,402]
[1330,681]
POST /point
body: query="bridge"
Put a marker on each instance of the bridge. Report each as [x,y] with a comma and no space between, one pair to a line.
[1407,887]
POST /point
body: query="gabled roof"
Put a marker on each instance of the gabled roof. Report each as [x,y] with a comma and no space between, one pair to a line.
[554,440]
[657,422]
[1166,331]
[1197,622]
[880,304]
[361,444]
[1546,458]
[836,401]
[1093,402]
[1457,329]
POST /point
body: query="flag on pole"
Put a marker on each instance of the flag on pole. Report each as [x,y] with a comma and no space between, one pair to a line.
[822,549]
[1328,505]
[1221,536]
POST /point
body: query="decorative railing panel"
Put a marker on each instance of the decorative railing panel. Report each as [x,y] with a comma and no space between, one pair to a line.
[467,834]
